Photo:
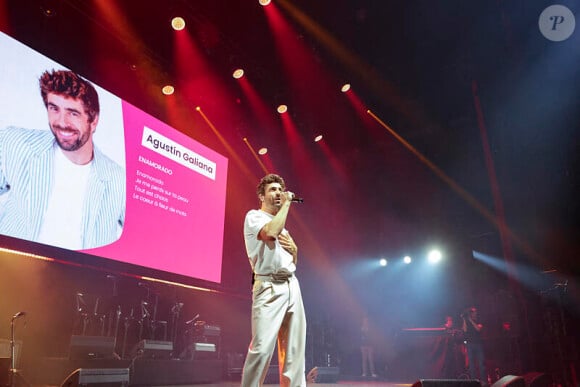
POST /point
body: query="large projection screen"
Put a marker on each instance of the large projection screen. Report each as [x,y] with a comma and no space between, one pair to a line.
[174,192]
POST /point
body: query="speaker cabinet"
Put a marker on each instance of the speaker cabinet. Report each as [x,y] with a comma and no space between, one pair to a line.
[327,374]
[199,351]
[234,365]
[91,347]
[447,383]
[510,381]
[152,349]
[101,376]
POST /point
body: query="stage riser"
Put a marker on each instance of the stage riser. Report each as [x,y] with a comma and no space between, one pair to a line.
[447,383]
[151,372]
[161,372]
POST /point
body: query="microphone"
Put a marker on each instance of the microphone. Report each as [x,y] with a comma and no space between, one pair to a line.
[19,314]
[296,199]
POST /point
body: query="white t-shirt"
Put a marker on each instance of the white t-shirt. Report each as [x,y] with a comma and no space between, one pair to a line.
[62,221]
[266,257]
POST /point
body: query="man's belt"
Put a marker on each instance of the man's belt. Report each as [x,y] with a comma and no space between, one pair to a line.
[275,277]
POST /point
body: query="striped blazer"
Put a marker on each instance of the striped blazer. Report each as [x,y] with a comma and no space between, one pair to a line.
[26,174]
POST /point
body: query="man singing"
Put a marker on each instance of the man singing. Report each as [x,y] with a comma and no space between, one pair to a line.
[277,308]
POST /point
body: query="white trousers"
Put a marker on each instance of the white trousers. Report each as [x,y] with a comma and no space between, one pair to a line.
[277,314]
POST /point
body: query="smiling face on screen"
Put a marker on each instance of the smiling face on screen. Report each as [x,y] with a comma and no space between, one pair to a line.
[71,126]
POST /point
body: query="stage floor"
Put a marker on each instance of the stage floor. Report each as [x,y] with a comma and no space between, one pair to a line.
[340,383]
[173,373]
[337,384]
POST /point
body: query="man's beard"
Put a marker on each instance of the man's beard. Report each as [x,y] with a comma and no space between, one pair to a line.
[70,146]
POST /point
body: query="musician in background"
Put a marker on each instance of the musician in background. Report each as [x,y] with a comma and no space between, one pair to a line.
[448,325]
[456,360]
[366,349]
[475,356]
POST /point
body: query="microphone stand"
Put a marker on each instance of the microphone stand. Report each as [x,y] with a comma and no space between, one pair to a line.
[153,321]
[13,370]
[12,354]
[128,321]
[82,318]
[175,311]
[145,317]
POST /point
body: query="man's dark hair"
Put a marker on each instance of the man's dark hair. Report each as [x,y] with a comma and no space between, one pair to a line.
[269,179]
[68,83]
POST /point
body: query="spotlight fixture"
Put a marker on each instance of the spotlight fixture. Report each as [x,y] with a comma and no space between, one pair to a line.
[345,87]
[238,73]
[264,2]
[318,138]
[383,262]
[48,12]
[434,256]
[282,109]
[262,151]
[407,259]
[168,90]
[178,23]
[48,8]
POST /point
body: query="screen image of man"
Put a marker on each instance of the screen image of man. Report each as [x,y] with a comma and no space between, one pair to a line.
[59,188]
